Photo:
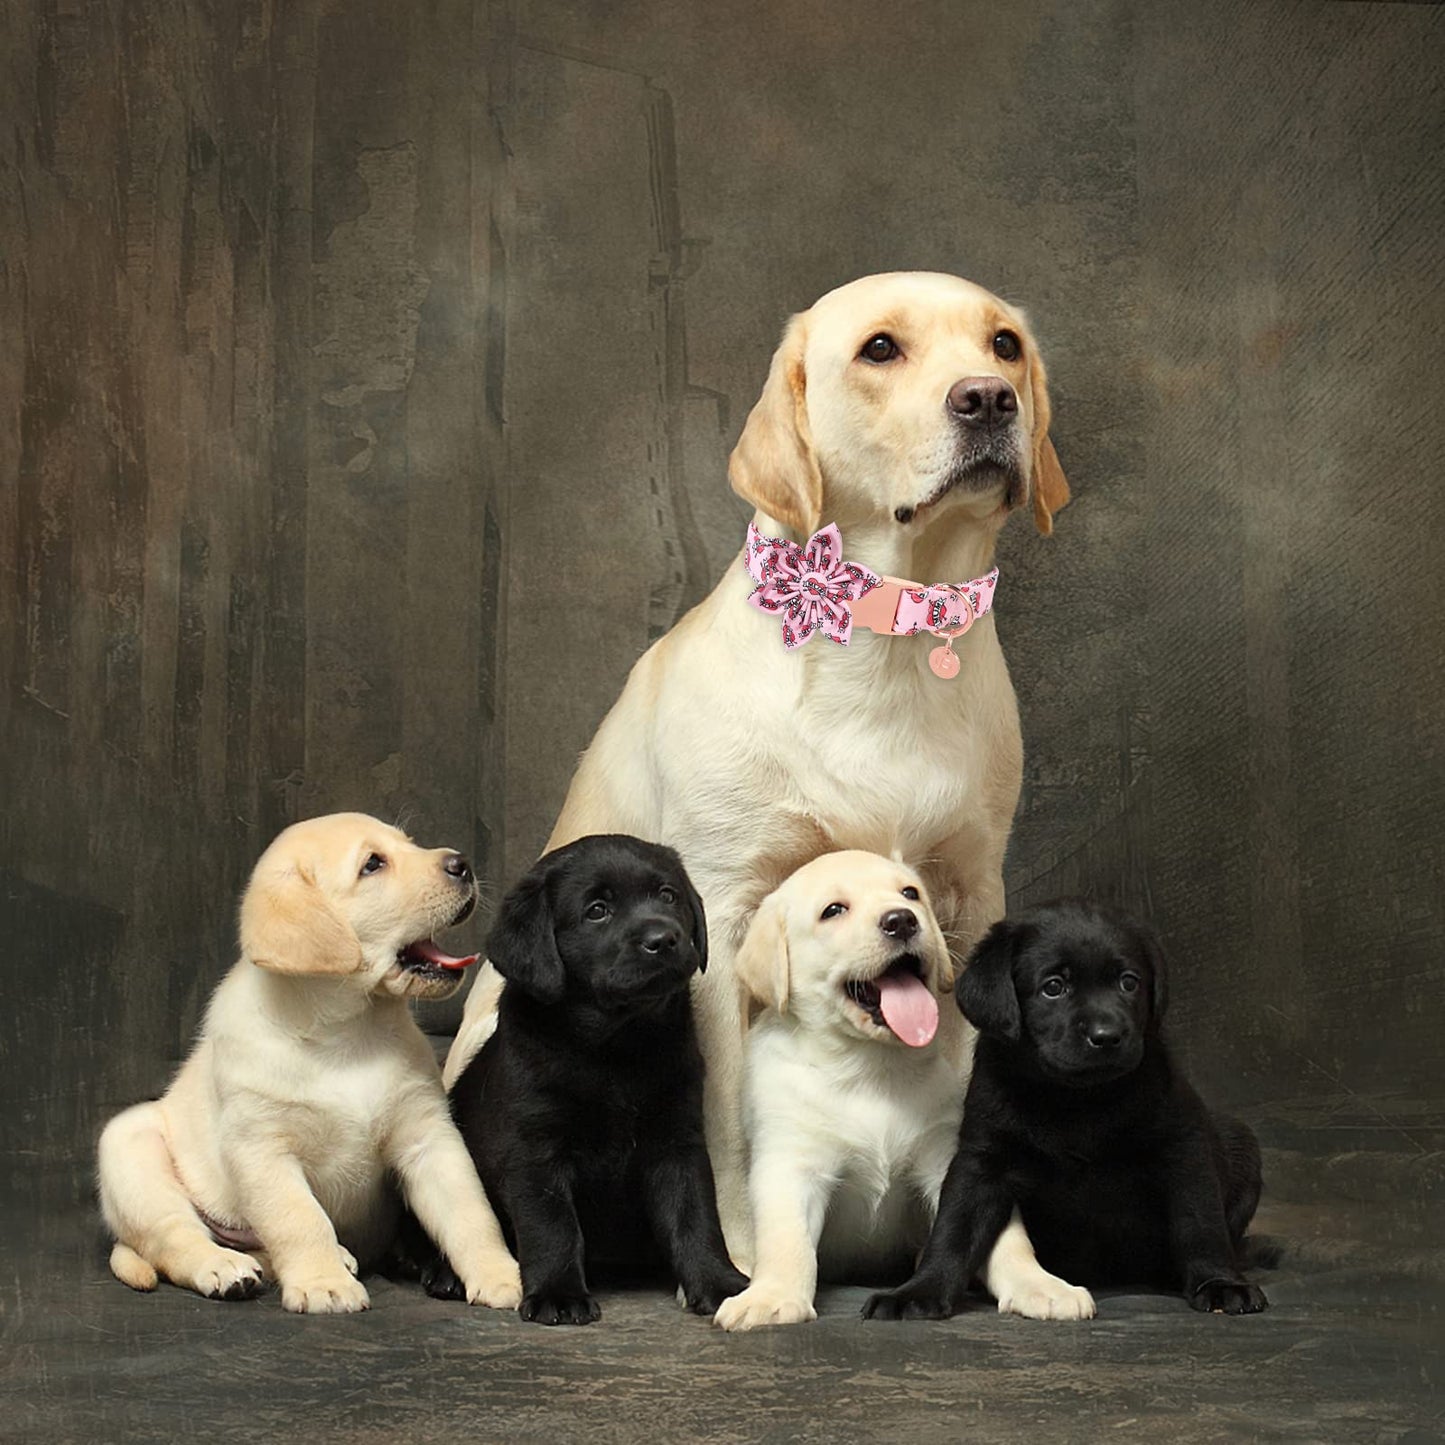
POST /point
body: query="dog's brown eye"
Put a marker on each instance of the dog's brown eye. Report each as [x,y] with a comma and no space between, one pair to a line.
[596,911]
[374,864]
[1053,987]
[668,895]
[832,911]
[879,349]
[911,892]
[1129,982]
[1007,346]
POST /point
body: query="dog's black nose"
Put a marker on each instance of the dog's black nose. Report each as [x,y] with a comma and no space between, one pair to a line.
[899,923]
[983,401]
[660,939]
[458,867]
[1104,1036]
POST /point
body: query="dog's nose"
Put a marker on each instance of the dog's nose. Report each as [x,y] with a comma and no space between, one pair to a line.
[899,923]
[660,939]
[983,401]
[458,867]
[1104,1036]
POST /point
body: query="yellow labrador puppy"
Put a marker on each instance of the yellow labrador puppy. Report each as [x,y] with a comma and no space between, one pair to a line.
[309,1085]
[851,1111]
[911,410]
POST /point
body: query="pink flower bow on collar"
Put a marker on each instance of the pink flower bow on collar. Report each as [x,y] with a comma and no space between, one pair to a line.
[811,586]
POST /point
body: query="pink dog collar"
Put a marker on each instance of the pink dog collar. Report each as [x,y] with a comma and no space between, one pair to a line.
[815,591]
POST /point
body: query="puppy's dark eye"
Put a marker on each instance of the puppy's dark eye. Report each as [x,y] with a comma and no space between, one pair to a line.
[596,911]
[1007,346]
[1129,982]
[374,864]
[832,911]
[879,349]
[668,895]
[1054,987]
[911,892]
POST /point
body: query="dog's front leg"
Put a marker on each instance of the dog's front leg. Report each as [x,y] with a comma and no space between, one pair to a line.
[441,1186]
[790,1196]
[550,1247]
[717,1010]
[1022,1286]
[682,1207]
[313,1270]
[1199,1233]
[972,1211]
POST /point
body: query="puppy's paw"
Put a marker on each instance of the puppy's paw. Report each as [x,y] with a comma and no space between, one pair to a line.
[912,1302]
[1045,1296]
[757,1307]
[326,1294]
[440,1280]
[498,1283]
[1228,1297]
[548,1308]
[705,1296]
[229,1275]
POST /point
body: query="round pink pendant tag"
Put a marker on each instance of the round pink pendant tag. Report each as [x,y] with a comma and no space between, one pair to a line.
[944,662]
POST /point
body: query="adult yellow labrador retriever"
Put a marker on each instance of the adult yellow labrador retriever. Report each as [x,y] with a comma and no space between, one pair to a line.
[910,410]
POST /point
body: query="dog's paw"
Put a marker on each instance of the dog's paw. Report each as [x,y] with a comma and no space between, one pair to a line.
[498,1283]
[229,1275]
[545,1308]
[918,1302]
[1228,1297]
[706,1296]
[349,1260]
[1045,1296]
[440,1280]
[756,1308]
[327,1294]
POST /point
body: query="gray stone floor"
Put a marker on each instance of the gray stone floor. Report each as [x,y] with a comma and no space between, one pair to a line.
[1349,1351]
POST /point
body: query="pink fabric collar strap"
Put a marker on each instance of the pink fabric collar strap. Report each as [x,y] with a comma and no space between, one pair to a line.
[813,590]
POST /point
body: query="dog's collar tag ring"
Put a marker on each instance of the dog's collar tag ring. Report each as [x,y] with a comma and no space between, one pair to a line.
[944,660]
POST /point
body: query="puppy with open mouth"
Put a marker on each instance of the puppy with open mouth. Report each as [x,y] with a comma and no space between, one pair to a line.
[311,1089]
[851,1112]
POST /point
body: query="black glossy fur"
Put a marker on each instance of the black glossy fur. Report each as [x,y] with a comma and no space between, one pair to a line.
[1076,1114]
[583,1112]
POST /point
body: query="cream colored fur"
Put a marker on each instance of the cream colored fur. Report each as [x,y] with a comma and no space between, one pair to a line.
[309,1083]
[751,760]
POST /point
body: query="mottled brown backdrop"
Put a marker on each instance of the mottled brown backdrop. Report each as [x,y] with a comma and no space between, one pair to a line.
[369,372]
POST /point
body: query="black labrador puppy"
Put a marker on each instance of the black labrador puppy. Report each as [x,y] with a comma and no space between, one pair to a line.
[1076,1114]
[583,1111]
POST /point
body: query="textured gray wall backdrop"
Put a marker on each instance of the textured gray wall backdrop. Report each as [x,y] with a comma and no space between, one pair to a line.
[334,336]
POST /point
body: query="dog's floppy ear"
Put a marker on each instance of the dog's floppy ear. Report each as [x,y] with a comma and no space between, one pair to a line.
[699,918]
[985,990]
[522,945]
[1153,952]
[762,966]
[773,465]
[1049,485]
[288,925]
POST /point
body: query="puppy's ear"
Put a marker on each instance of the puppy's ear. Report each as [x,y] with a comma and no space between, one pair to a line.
[699,918]
[985,990]
[288,925]
[773,465]
[1049,485]
[762,966]
[1153,952]
[522,945]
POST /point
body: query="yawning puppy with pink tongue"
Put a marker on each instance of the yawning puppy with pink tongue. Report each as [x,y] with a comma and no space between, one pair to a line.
[851,1103]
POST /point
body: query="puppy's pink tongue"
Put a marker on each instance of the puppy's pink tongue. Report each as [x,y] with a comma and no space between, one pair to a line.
[428,950]
[907,1007]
